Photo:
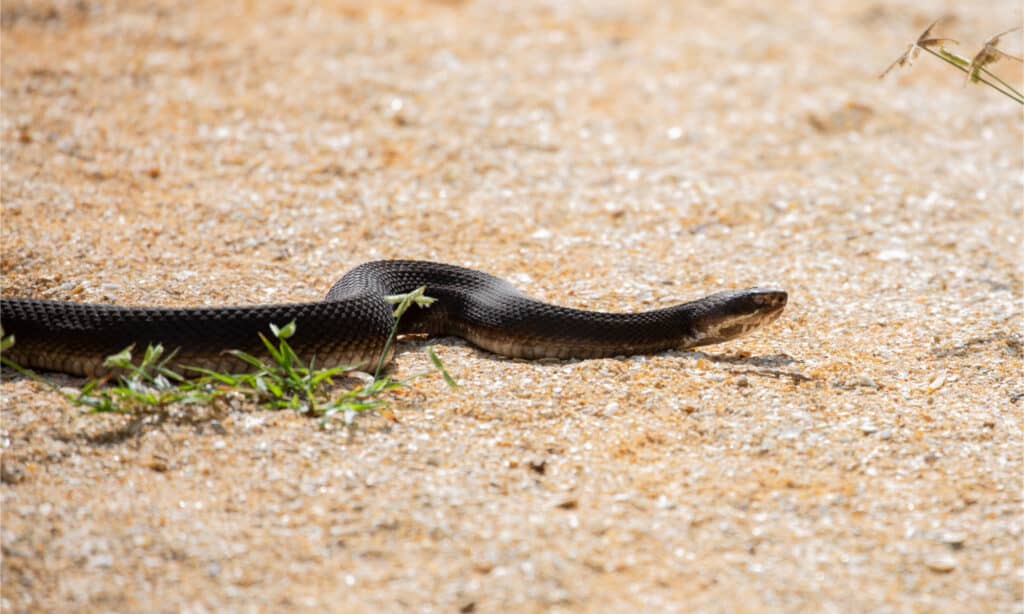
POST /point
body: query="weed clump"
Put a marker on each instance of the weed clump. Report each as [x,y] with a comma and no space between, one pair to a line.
[975,68]
[152,388]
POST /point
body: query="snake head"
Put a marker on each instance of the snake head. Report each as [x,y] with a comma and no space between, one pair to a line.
[733,313]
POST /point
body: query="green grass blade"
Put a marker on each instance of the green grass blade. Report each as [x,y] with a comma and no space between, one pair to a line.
[250,359]
[274,352]
[448,379]
[283,333]
[325,375]
[223,378]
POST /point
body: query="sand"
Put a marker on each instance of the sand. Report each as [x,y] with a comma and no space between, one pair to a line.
[864,453]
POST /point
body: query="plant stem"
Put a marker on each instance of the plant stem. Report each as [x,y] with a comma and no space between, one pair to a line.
[961,64]
[404,301]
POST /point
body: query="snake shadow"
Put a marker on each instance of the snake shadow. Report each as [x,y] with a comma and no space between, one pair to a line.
[777,366]
[768,361]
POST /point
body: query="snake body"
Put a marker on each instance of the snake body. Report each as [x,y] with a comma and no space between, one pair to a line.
[352,324]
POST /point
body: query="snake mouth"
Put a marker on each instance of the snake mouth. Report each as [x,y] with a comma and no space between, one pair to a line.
[738,312]
[772,302]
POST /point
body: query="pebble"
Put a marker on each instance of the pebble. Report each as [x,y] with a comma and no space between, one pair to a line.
[100,561]
[888,255]
[954,539]
[865,381]
[942,563]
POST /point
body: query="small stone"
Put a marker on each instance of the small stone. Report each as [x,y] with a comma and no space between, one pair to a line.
[790,433]
[100,561]
[865,381]
[942,563]
[889,255]
[742,381]
[868,428]
[953,539]
[11,472]
[156,463]
[937,382]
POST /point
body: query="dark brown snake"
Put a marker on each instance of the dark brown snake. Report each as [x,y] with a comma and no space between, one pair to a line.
[352,324]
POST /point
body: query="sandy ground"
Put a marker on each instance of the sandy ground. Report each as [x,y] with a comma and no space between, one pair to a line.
[864,453]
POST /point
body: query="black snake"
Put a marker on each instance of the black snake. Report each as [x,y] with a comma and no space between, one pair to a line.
[352,324]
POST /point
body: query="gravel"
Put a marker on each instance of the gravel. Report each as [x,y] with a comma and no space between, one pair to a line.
[862,453]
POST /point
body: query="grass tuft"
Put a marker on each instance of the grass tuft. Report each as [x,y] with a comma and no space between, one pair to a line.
[151,387]
[975,68]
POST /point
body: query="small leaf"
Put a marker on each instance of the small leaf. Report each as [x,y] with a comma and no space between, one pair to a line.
[379,385]
[161,382]
[170,374]
[327,374]
[448,379]
[289,355]
[274,389]
[152,354]
[283,333]
[121,359]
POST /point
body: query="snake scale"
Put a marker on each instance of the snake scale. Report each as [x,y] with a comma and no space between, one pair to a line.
[352,324]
